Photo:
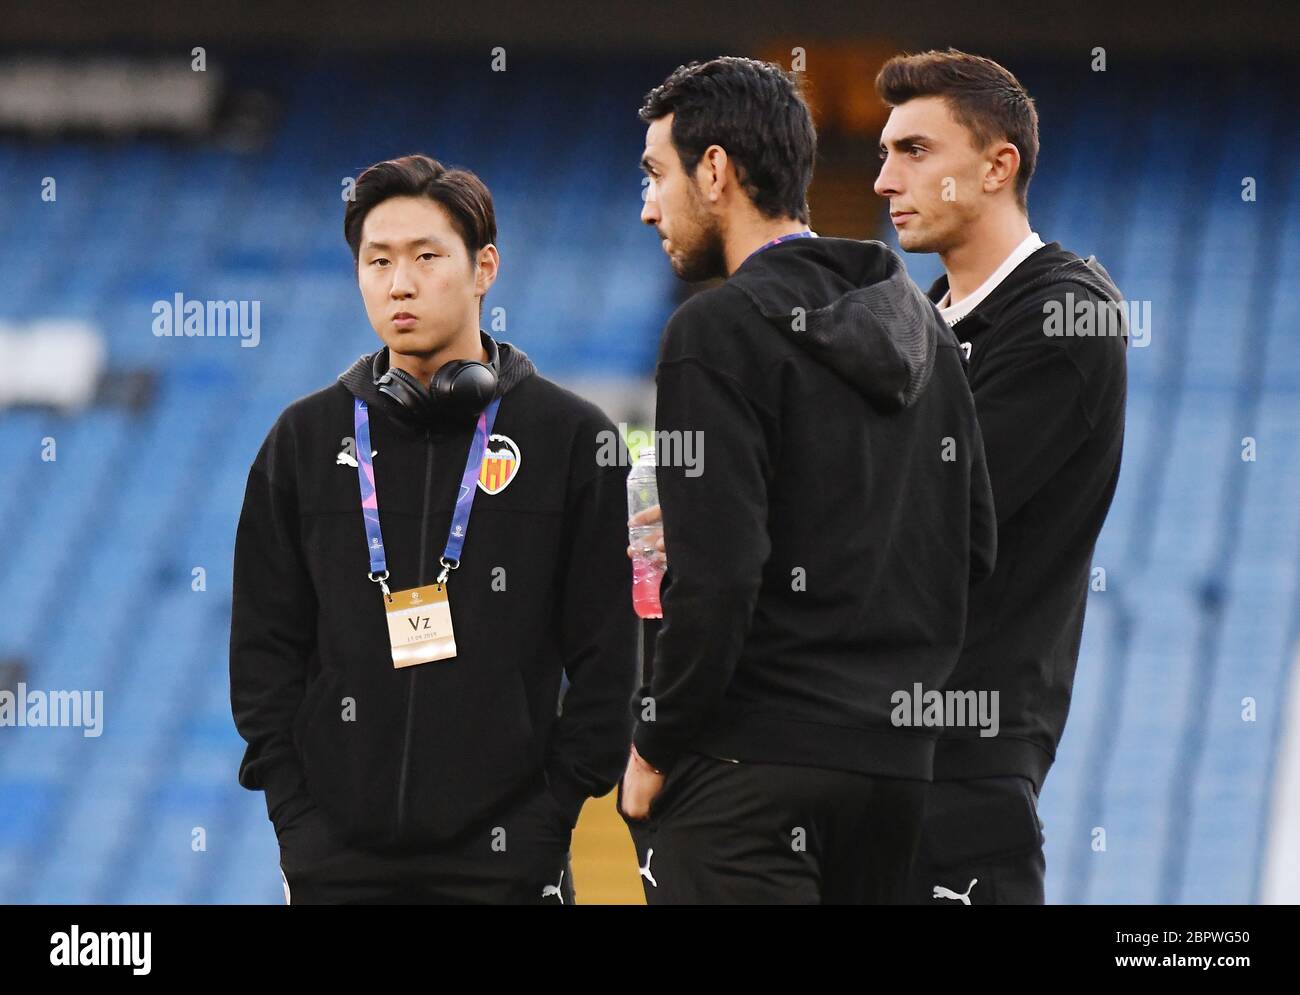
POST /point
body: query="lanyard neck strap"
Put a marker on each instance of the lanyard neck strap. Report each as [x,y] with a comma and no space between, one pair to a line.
[450,558]
[778,241]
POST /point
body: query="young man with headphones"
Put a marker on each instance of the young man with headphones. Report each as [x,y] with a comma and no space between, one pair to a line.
[427,548]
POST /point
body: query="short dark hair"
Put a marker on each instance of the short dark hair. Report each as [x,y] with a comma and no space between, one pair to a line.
[756,112]
[984,97]
[463,195]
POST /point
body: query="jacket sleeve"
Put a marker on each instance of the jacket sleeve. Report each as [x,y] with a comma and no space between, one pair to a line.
[715,532]
[1030,403]
[590,739]
[272,631]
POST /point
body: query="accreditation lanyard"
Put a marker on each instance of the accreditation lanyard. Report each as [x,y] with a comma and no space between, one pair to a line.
[778,241]
[450,558]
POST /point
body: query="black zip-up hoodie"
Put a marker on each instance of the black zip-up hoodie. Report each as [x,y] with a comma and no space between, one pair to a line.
[401,759]
[1051,411]
[820,557]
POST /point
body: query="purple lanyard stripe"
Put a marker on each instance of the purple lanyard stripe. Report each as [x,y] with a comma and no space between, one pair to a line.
[778,241]
[369,497]
[469,483]
[464,499]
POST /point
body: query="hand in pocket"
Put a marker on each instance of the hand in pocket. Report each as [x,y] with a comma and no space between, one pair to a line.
[640,786]
[306,841]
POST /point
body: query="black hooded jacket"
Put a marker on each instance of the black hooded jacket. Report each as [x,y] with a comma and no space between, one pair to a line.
[407,758]
[1051,411]
[821,553]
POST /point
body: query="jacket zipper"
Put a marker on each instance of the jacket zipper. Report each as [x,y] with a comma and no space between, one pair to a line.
[410,687]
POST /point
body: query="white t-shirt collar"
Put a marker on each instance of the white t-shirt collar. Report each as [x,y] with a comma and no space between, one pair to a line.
[955,312]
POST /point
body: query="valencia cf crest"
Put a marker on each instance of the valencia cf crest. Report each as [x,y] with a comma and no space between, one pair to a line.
[500,464]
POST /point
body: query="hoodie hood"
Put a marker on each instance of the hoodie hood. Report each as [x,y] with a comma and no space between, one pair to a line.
[514,367]
[852,307]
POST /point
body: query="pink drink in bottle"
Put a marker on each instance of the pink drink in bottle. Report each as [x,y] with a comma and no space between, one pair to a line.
[647,564]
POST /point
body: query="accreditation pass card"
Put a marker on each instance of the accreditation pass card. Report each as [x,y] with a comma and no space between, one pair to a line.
[419,625]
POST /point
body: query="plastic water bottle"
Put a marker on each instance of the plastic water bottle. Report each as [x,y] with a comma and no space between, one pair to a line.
[647,563]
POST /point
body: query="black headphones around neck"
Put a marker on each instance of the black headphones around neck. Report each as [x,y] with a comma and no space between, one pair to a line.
[460,388]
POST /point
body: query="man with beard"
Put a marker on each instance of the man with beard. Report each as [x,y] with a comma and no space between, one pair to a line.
[819,558]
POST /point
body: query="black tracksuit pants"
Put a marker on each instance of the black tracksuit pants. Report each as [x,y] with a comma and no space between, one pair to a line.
[519,856]
[722,832]
[981,844]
